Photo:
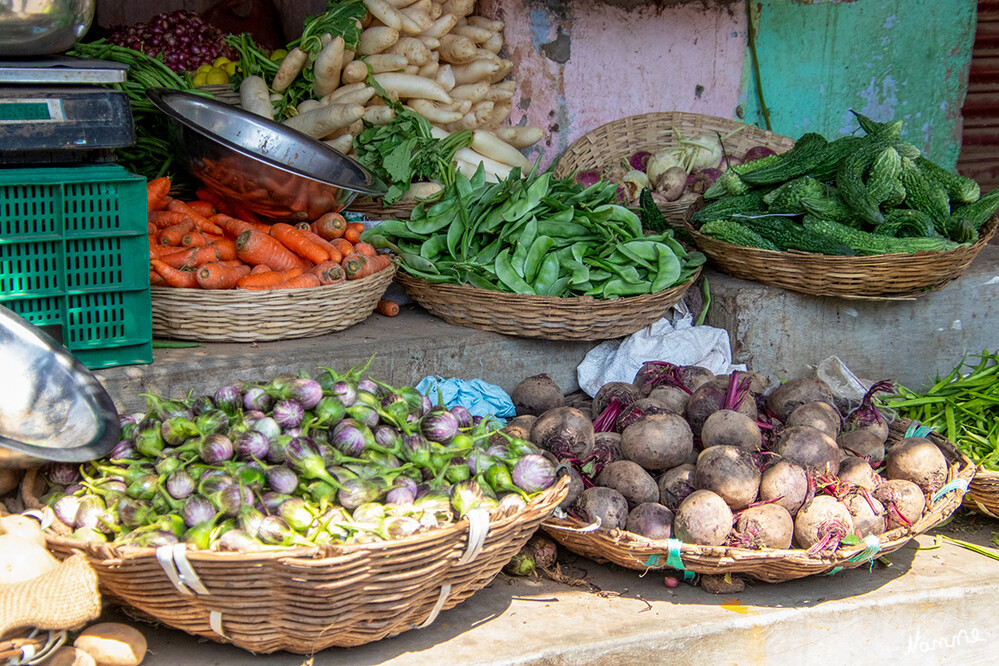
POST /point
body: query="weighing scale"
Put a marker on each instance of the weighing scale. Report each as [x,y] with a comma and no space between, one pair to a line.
[58,110]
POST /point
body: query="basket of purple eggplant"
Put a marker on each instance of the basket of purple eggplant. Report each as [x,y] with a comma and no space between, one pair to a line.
[299,514]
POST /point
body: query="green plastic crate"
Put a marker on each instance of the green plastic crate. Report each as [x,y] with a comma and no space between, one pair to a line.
[74,259]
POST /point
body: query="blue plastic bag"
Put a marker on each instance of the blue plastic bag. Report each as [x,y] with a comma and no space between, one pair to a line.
[478,397]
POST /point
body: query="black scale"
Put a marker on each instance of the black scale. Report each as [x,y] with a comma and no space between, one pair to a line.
[59,109]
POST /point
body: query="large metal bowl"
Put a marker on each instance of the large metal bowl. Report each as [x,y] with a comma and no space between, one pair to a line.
[270,169]
[51,406]
[42,27]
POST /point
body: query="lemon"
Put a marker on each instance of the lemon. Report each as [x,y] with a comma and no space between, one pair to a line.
[277,55]
[216,77]
[202,68]
[221,60]
[230,68]
[199,78]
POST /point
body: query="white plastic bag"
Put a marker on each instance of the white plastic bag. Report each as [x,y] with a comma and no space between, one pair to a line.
[680,343]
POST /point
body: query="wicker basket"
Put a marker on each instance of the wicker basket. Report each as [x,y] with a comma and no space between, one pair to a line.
[614,142]
[635,552]
[983,493]
[876,277]
[582,318]
[239,315]
[308,599]
[374,209]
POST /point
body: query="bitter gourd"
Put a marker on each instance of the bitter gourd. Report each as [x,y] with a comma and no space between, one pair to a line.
[790,235]
[908,222]
[866,243]
[831,207]
[883,174]
[925,194]
[834,153]
[749,203]
[850,182]
[788,197]
[979,212]
[960,189]
[733,232]
[798,161]
[729,183]
[959,229]
[888,131]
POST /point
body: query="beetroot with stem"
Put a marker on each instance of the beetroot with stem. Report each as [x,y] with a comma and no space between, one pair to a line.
[785,483]
[605,505]
[858,472]
[710,397]
[629,479]
[730,473]
[658,442]
[822,524]
[675,484]
[638,410]
[795,392]
[653,374]
[867,416]
[565,431]
[651,520]
[868,513]
[703,518]
[763,526]
[864,444]
[609,402]
[903,500]
[536,395]
[919,460]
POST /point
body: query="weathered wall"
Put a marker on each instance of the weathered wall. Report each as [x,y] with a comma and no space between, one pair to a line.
[581,64]
[885,58]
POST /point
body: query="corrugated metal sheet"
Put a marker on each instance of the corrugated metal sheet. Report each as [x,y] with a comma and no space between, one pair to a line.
[979,158]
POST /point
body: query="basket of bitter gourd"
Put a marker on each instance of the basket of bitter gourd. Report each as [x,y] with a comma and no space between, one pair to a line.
[863,216]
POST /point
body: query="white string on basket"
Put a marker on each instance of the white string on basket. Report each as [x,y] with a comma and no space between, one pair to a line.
[478,529]
[173,560]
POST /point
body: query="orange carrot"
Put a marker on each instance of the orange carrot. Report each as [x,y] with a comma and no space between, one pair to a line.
[200,221]
[151,229]
[157,190]
[166,218]
[235,226]
[260,268]
[330,226]
[235,262]
[204,208]
[226,248]
[205,194]
[172,235]
[334,253]
[365,248]
[358,266]
[303,281]
[194,238]
[328,272]
[244,214]
[216,276]
[343,245]
[155,278]
[190,257]
[297,242]
[267,278]
[255,247]
[387,307]
[352,234]
[174,277]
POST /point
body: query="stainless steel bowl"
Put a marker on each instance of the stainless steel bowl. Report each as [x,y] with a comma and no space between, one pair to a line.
[51,406]
[42,27]
[271,169]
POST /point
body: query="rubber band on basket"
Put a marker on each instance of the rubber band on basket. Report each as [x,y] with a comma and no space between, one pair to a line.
[673,559]
[872,546]
[916,429]
[956,484]
[983,509]
[215,622]
[478,529]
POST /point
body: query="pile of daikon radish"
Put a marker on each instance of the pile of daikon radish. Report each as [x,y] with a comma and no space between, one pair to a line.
[437,58]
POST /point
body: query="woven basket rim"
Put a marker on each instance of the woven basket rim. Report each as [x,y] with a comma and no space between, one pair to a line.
[263,295]
[581,301]
[623,543]
[315,556]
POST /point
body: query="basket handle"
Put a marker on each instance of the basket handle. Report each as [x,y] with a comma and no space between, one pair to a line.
[478,529]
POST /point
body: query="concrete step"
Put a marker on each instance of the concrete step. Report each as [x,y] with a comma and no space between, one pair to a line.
[928,607]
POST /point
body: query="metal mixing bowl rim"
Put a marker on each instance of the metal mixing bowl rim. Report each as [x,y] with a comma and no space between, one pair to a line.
[156,96]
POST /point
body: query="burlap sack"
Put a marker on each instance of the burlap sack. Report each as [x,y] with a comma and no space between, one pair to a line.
[65,598]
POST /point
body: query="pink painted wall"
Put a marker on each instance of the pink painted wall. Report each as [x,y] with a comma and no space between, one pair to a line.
[620,62]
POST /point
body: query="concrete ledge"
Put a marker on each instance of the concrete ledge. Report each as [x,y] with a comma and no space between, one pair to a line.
[784,333]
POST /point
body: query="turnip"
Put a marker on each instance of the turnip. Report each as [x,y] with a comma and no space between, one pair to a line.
[703,518]
[651,520]
[868,513]
[919,460]
[867,416]
[565,431]
[730,473]
[604,504]
[609,402]
[673,397]
[638,410]
[764,526]
[536,395]
[784,483]
[904,502]
[822,524]
[639,160]
[731,428]
[795,392]
[675,484]
[856,471]
[629,479]
[658,442]
[864,443]
[670,183]
[816,414]
[702,180]
[809,447]
[757,153]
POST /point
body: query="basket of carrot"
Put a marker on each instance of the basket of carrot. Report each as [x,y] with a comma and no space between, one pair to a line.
[218,273]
